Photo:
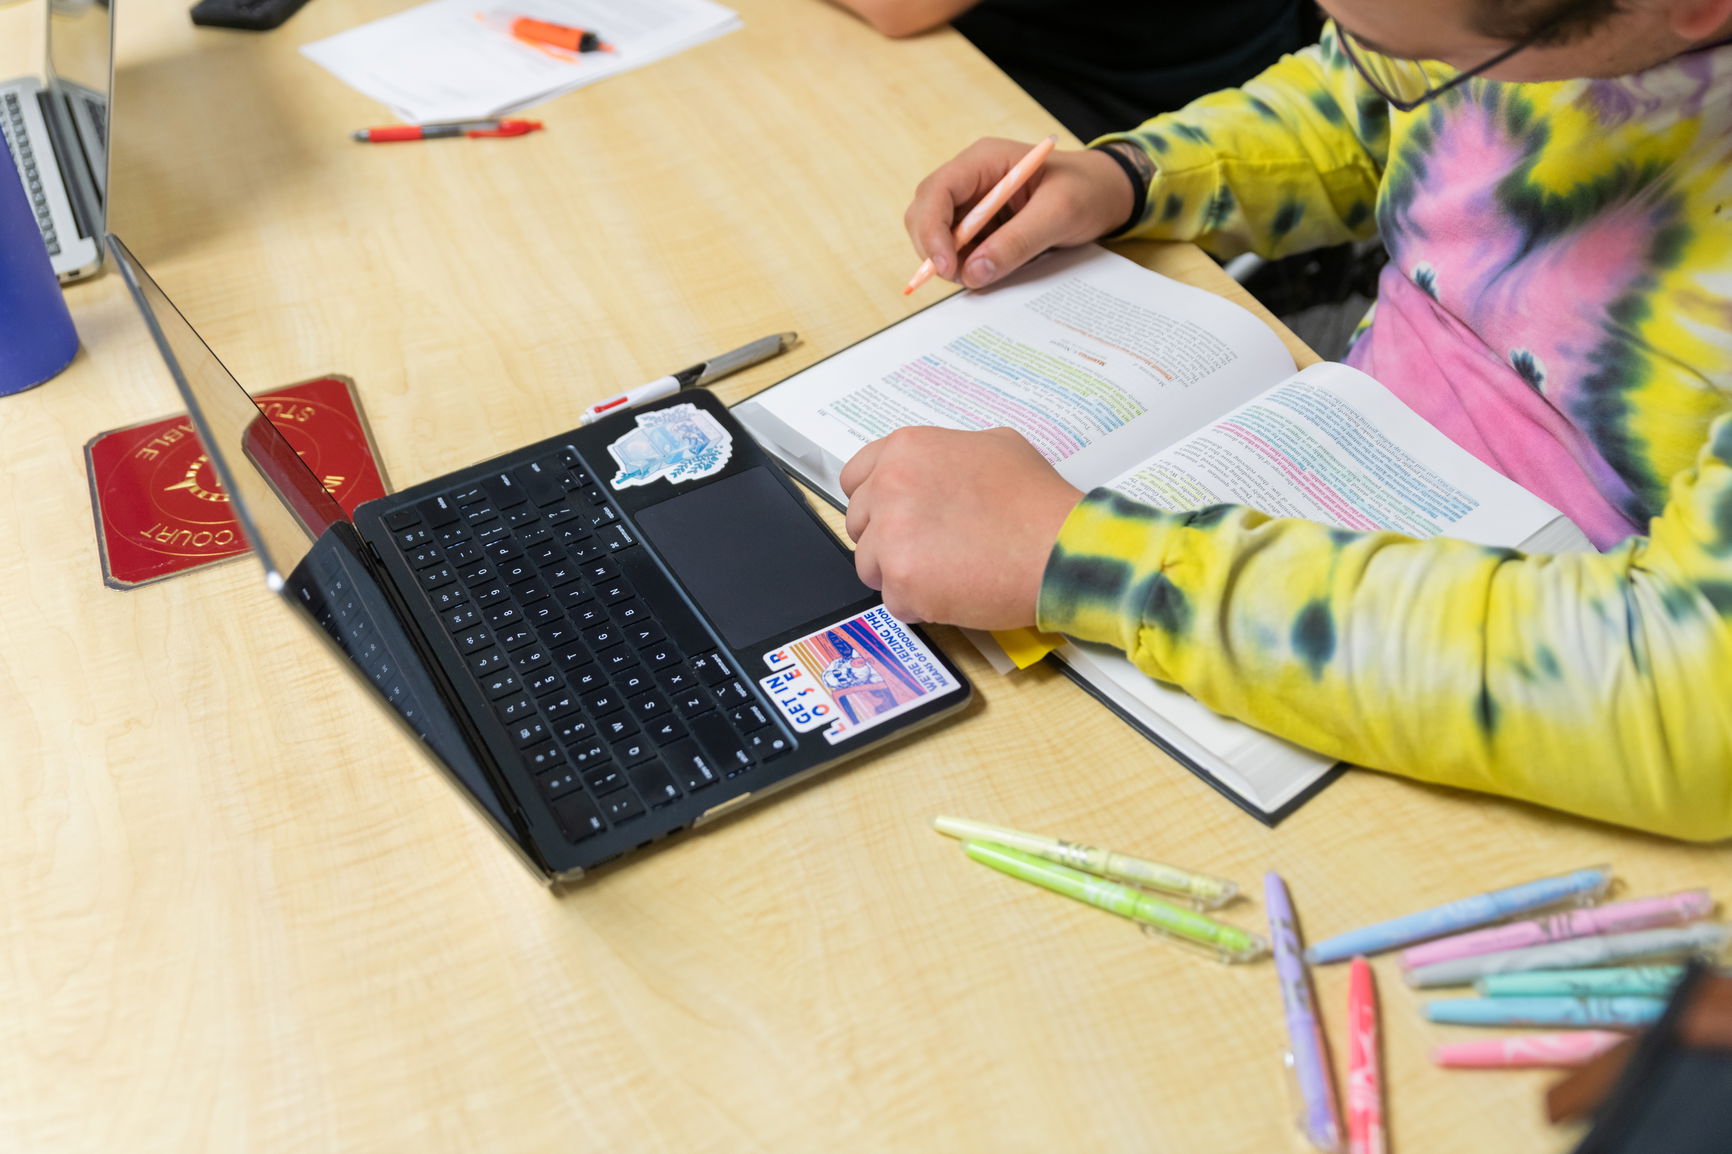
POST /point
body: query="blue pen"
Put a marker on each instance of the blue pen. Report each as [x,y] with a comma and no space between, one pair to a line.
[1599,1012]
[1585,886]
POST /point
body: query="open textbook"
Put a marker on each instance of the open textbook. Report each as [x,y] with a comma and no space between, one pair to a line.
[1177,398]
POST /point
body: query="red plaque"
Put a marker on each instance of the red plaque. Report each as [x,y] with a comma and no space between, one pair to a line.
[160,509]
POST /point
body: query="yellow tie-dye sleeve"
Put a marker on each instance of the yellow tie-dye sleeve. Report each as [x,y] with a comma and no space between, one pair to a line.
[1287,163]
[1600,684]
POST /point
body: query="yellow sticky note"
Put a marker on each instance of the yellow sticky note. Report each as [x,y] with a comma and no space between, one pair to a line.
[1026,646]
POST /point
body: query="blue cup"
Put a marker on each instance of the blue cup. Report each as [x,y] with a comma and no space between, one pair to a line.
[37,339]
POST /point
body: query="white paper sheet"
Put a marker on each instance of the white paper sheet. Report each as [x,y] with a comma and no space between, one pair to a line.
[437,61]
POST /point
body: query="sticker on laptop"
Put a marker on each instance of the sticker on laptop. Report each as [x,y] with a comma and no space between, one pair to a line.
[853,675]
[677,444]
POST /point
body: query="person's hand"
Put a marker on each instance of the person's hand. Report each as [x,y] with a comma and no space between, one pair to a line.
[955,527]
[1073,198]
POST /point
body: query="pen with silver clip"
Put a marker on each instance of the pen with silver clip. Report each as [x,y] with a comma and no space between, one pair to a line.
[699,374]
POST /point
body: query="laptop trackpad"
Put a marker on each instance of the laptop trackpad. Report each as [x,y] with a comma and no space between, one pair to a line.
[753,558]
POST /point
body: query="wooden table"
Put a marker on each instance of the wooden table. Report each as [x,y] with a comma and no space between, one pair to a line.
[245,915]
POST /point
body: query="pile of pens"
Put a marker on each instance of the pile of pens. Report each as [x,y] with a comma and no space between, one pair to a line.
[1565,969]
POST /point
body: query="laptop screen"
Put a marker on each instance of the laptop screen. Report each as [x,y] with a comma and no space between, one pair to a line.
[308,547]
[80,77]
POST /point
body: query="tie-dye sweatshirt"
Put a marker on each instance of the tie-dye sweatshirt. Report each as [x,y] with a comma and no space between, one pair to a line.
[1559,301]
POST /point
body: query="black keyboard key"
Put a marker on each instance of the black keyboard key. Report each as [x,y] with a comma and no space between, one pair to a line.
[517,637]
[469,495]
[694,768]
[487,661]
[588,754]
[614,538]
[536,542]
[501,551]
[399,519]
[588,679]
[574,729]
[733,695]
[540,613]
[617,661]
[622,806]
[599,571]
[561,572]
[557,705]
[604,779]
[630,613]
[564,514]
[528,592]
[491,594]
[645,634]
[452,534]
[570,656]
[409,539]
[504,490]
[528,732]
[480,514]
[493,534]
[471,640]
[582,551]
[545,681]
[557,632]
[501,683]
[655,784]
[634,681]
[588,616]
[579,600]
[449,597]
[499,616]
[438,512]
[435,577]
[601,637]
[748,718]
[676,679]
[603,702]
[463,554]
[614,591]
[635,750]
[693,701]
[652,707]
[482,574]
[530,658]
[428,554]
[541,758]
[578,817]
[561,780]
[461,618]
[713,668]
[521,516]
[516,709]
[517,568]
[666,731]
[540,483]
[619,727]
[721,743]
[767,745]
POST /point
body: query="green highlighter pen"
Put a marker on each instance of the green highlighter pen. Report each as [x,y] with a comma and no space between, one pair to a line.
[1227,943]
[1205,892]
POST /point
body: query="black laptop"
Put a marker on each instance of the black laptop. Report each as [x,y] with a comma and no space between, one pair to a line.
[606,637]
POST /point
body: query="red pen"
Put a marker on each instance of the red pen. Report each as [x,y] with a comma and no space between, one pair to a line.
[493,127]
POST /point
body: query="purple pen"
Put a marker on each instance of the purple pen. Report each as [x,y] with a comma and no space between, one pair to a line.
[1321,1121]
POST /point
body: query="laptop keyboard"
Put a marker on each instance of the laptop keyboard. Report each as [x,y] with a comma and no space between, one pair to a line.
[607,712]
[24,156]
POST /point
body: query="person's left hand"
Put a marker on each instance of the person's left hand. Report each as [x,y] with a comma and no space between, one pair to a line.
[955,527]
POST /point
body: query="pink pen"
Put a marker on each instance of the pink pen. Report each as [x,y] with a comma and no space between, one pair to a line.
[1617,918]
[989,206]
[1364,1074]
[1525,1051]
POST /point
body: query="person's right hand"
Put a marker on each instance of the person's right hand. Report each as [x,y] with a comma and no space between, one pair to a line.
[1076,196]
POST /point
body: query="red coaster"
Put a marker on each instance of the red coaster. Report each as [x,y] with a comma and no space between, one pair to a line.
[160,509]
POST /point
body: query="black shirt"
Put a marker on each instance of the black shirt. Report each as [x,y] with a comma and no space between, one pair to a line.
[1106,65]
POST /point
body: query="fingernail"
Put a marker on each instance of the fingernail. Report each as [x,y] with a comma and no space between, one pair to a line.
[981,271]
[941,265]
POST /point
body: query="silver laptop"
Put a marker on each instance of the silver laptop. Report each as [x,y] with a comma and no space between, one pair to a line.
[56,129]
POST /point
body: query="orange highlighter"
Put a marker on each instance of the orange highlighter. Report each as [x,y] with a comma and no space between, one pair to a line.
[546,32]
[989,205]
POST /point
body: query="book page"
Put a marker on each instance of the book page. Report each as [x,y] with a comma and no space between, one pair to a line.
[1094,359]
[1332,445]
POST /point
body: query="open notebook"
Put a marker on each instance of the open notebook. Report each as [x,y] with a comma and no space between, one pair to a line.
[1122,377]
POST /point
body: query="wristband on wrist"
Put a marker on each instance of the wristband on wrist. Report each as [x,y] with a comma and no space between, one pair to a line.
[1139,170]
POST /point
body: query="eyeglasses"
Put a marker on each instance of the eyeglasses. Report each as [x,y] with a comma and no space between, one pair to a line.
[1407,84]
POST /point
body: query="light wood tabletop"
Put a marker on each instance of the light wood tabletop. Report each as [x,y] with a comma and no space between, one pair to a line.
[244,914]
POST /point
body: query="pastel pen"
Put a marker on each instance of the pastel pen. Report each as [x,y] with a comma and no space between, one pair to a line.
[701,373]
[1702,938]
[1320,1120]
[1610,982]
[978,216]
[1617,918]
[1204,891]
[1228,943]
[1527,1051]
[1365,1133]
[492,126]
[1452,917]
[1599,1012]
